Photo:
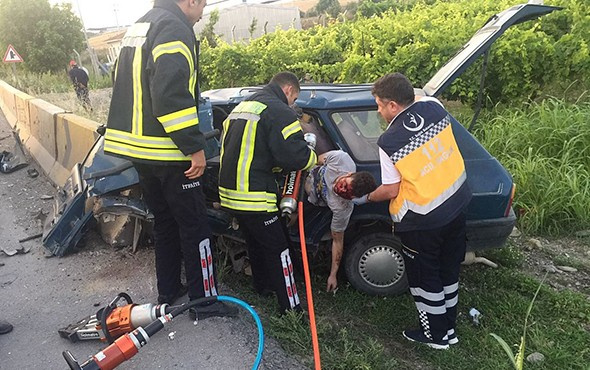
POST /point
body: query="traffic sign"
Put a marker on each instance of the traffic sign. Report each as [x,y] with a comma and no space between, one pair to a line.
[11,56]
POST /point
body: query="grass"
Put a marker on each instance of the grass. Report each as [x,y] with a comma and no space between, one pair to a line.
[545,148]
[36,84]
[361,332]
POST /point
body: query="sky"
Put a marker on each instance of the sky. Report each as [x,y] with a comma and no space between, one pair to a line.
[108,13]
[112,13]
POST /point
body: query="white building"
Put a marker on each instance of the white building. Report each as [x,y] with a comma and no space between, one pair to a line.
[235,20]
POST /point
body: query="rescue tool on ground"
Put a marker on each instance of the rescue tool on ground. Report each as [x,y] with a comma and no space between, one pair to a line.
[128,328]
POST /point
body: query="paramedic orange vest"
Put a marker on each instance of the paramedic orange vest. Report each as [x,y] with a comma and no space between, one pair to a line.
[433,188]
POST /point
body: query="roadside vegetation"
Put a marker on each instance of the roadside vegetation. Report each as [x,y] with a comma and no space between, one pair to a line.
[546,148]
[36,84]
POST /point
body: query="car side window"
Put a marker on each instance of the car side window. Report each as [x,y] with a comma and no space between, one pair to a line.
[360,130]
[311,124]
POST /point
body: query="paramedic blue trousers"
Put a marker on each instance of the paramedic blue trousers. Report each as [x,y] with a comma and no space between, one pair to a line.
[433,259]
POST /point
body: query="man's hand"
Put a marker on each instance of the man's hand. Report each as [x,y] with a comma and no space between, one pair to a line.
[337,250]
[198,164]
[332,283]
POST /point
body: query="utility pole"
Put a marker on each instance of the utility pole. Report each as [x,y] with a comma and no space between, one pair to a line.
[116,11]
[90,51]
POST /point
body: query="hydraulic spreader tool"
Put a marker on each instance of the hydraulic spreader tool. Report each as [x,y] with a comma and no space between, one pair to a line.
[128,328]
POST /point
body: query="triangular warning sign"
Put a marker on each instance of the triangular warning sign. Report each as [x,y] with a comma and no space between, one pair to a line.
[11,56]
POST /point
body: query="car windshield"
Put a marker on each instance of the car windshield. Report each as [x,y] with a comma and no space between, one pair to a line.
[360,130]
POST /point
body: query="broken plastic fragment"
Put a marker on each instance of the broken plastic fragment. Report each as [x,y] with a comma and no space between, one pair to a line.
[10,163]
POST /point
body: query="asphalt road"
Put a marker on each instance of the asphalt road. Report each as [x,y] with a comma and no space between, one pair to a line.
[39,295]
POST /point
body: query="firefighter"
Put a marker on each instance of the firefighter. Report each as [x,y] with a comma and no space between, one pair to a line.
[153,122]
[262,135]
[423,176]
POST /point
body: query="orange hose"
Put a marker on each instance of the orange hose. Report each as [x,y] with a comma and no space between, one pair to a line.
[312,325]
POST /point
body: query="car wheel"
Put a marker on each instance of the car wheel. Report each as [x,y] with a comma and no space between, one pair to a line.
[374,265]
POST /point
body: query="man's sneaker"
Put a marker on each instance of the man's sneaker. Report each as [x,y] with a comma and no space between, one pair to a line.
[217,308]
[452,337]
[5,327]
[418,336]
[170,299]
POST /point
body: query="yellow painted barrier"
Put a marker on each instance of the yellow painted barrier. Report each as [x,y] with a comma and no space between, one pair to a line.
[56,140]
[7,102]
[74,136]
[41,143]
[23,119]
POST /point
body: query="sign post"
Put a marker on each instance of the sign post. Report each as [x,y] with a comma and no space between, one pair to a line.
[13,57]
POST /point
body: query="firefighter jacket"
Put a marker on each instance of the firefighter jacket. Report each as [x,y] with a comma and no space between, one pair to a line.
[153,114]
[433,188]
[260,134]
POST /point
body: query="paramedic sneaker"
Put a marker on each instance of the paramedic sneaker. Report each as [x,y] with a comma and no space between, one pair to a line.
[452,337]
[418,336]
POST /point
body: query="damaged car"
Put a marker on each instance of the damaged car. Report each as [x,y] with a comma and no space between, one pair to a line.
[103,190]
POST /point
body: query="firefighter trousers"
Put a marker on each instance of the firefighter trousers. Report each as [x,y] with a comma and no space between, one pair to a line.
[268,251]
[181,230]
[433,259]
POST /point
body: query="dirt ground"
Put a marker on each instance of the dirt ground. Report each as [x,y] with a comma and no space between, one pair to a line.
[566,260]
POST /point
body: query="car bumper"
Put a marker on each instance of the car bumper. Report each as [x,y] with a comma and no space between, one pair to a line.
[491,233]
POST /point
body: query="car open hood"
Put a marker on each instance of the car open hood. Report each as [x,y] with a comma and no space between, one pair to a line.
[481,42]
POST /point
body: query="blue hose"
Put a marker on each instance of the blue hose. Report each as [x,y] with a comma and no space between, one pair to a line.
[239,302]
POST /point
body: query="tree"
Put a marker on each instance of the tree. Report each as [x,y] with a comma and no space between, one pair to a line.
[208,31]
[332,7]
[44,35]
[252,27]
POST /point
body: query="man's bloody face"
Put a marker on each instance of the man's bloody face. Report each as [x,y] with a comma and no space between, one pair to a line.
[343,186]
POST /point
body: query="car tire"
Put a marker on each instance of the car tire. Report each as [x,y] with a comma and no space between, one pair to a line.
[374,265]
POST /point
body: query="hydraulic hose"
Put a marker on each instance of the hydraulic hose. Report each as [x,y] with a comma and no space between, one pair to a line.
[258,360]
[177,310]
[312,324]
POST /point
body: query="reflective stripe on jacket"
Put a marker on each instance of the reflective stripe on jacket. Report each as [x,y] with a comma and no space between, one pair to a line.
[153,114]
[433,187]
[259,135]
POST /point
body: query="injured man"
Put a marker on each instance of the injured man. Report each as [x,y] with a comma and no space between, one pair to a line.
[333,183]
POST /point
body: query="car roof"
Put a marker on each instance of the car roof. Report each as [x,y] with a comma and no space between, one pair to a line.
[311,96]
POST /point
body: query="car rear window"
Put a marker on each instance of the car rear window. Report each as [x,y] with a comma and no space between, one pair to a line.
[360,130]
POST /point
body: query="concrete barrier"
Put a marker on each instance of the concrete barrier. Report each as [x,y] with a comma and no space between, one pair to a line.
[74,136]
[23,119]
[7,102]
[41,142]
[55,139]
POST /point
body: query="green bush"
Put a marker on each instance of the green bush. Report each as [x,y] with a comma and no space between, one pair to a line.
[545,148]
[416,37]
